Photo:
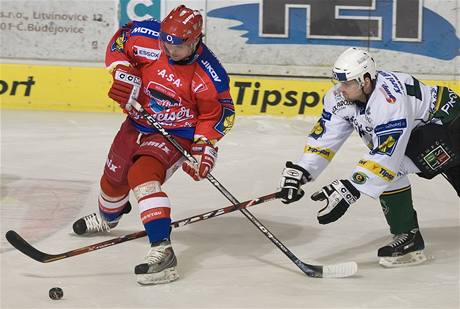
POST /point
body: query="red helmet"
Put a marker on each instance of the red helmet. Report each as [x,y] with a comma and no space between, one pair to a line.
[181,25]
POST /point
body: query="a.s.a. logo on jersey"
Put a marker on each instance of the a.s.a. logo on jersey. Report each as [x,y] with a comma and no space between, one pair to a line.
[318,129]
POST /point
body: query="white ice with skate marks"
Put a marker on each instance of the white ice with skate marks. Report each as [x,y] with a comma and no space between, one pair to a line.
[222,262]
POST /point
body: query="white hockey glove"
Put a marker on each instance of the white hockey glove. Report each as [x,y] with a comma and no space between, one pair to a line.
[292,178]
[340,194]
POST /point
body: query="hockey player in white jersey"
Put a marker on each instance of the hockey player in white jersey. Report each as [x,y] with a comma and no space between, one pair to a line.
[408,127]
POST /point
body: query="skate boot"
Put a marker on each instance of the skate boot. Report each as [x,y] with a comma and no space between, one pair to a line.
[94,223]
[160,265]
[404,250]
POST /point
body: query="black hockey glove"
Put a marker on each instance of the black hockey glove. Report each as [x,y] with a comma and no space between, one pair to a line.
[340,194]
[292,178]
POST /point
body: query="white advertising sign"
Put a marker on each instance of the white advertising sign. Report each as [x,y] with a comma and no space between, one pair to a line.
[304,37]
[58,30]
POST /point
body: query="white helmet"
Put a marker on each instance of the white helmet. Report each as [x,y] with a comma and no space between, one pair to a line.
[352,64]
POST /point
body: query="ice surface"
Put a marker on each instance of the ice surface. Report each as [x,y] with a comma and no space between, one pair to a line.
[50,167]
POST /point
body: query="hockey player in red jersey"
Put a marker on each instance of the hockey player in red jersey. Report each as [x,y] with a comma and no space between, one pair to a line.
[409,127]
[186,89]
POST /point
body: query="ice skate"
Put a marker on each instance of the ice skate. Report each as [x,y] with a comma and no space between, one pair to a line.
[160,265]
[94,223]
[404,250]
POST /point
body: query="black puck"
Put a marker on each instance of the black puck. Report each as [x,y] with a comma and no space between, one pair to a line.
[56,293]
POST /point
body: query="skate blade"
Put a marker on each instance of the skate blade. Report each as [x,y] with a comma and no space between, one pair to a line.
[165,276]
[409,259]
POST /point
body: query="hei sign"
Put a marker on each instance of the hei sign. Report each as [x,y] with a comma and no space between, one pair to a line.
[397,25]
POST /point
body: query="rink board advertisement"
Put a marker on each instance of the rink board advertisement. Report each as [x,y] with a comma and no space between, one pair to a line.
[277,97]
[55,88]
[304,37]
[85,89]
[57,29]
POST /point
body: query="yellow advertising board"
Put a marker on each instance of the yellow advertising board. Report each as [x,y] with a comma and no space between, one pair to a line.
[278,97]
[55,88]
[85,89]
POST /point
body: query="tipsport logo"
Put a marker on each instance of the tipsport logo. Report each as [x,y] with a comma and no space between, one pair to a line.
[139,10]
[404,26]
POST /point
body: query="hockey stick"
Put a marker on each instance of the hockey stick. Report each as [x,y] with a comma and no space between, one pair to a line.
[19,243]
[317,271]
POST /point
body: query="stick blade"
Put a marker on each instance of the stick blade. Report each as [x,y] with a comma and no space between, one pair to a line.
[340,270]
[19,243]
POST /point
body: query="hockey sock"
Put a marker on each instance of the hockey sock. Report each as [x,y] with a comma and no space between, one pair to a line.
[399,211]
[155,212]
[145,178]
[111,209]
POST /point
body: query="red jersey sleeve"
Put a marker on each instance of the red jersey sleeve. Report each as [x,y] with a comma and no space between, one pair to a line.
[216,114]
[117,51]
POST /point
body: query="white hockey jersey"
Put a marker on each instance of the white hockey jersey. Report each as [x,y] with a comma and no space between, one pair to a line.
[398,104]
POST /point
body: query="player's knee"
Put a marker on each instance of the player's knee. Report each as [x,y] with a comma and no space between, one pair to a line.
[146,176]
[111,190]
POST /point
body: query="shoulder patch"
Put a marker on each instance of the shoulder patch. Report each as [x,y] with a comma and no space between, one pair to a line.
[119,43]
[226,121]
[387,142]
[318,129]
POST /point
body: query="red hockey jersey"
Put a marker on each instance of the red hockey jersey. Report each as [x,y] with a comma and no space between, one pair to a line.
[190,100]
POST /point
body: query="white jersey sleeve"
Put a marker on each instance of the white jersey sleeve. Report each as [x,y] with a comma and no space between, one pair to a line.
[392,115]
[326,136]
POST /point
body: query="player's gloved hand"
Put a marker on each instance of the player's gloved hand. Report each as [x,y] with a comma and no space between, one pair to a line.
[340,194]
[206,156]
[292,178]
[126,84]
